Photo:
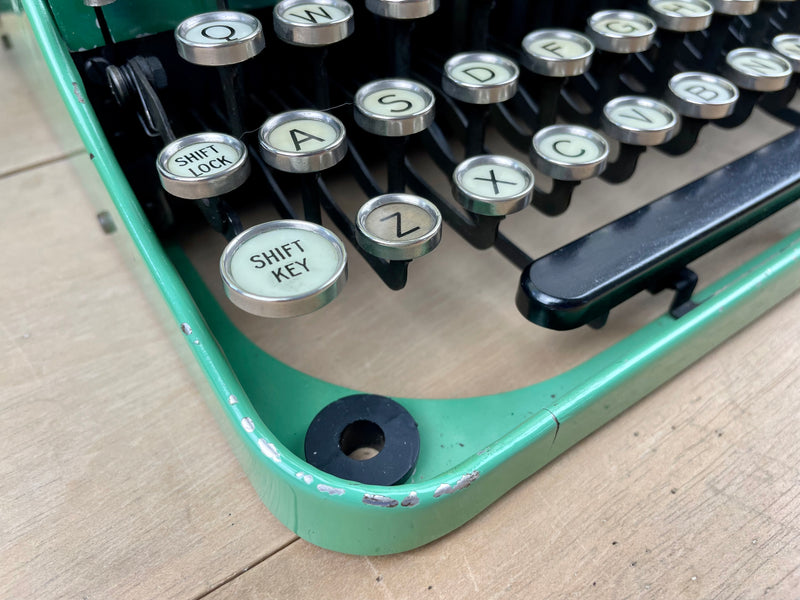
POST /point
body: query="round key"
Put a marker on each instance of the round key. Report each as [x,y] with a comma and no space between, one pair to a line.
[757,70]
[788,46]
[681,15]
[394,107]
[621,31]
[398,226]
[492,185]
[313,22]
[98,3]
[569,152]
[402,9]
[480,78]
[302,141]
[735,7]
[640,121]
[203,165]
[283,268]
[701,95]
[219,38]
[557,52]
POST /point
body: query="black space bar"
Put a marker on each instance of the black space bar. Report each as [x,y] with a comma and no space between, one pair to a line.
[582,281]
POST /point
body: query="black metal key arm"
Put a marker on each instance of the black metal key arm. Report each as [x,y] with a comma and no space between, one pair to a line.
[648,248]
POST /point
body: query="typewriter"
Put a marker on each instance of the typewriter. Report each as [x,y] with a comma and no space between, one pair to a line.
[419,248]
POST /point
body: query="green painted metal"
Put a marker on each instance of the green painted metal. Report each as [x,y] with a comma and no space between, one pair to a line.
[79,30]
[264,406]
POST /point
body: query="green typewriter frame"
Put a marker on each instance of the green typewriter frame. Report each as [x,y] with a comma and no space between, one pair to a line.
[508,436]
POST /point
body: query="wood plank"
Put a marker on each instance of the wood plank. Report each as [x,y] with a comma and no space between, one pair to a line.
[693,493]
[35,130]
[114,482]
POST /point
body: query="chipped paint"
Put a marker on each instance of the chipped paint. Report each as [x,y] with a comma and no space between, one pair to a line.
[186,329]
[462,483]
[378,500]
[233,400]
[76,89]
[445,488]
[248,425]
[269,450]
[307,477]
[333,491]
[411,500]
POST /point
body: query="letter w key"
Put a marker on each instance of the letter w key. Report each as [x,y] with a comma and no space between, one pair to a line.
[399,225]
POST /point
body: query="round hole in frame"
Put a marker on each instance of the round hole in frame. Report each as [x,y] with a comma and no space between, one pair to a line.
[362,440]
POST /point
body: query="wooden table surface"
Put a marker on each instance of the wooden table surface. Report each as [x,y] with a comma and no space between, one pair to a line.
[115,482]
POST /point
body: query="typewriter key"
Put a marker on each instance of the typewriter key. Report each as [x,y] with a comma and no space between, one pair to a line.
[98,3]
[640,121]
[302,141]
[366,438]
[702,95]
[557,52]
[398,226]
[283,268]
[219,38]
[402,9]
[394,107]
[757,70]
[569,152]
[681,15]
[493,185]
[313,22]
[203,165]
[621,31]
[788,46]
[735,7]
[480,78]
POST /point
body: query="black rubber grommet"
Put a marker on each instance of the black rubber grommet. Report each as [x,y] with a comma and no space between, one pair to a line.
[364,420]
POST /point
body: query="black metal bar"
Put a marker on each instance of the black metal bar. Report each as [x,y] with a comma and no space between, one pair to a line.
[475,134]
[283,206]
[686,138]
[436,145]
[557,200]
[399,44]
[234,94]
[508,127]
[479,24]
[319,74]
[395,157]
[624,166]
[741,112]
[518,257]
[103,24]
[644,249]
[361,173]
[309,190]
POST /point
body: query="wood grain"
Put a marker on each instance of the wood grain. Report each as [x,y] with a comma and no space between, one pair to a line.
[33,131]
[115,481]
